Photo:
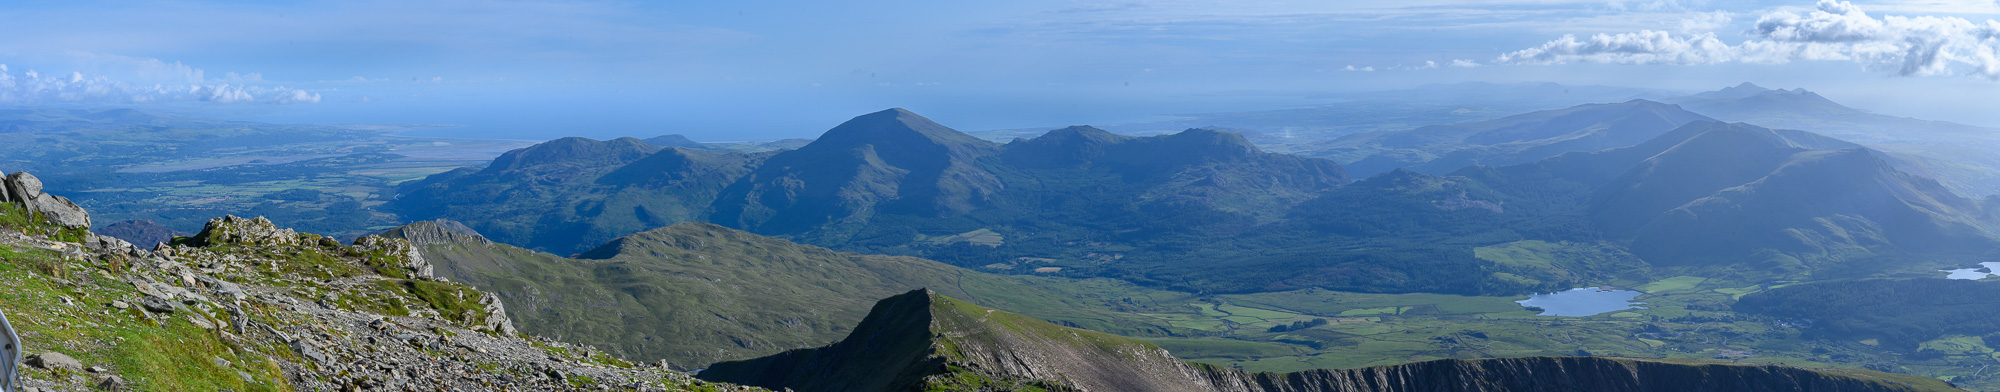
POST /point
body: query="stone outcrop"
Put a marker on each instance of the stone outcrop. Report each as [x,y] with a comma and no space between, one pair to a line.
[401,254]
[435,232]
[925,341]
[24,189]
[257,231]
[496,315]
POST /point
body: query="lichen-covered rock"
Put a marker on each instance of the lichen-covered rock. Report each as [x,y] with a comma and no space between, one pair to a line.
[23,185]
[25,189]
[233,230]
[496,315]
[59,210]
[108,245]
[55,360]
[395,253]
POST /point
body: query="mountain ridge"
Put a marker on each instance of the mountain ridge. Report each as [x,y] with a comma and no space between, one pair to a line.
[1516,139]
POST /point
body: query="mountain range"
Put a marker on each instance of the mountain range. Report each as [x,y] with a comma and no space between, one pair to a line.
[1958,155]
[1511,140]
[1204,210]
[885,180]
[1954,154]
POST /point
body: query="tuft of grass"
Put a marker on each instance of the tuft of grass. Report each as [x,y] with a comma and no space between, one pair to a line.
[41,261]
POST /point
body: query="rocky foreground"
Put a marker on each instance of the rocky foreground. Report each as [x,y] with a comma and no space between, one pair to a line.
[247,306]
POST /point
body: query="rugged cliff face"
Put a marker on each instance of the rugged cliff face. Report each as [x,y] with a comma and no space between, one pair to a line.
[925,341]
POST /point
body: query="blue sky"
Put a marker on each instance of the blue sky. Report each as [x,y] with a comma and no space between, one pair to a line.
[767,69]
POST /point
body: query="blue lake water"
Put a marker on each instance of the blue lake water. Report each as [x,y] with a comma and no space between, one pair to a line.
[1583,302]
[1973,273]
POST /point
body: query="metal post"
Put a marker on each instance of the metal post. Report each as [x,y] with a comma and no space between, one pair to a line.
[10,352]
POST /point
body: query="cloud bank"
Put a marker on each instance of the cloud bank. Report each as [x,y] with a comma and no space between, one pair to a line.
[31,87]
[1833,31]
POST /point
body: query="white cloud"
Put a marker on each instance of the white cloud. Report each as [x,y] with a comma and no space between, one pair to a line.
[1361,69]
[31,87]
[1833,31]
[1463,63]
[284,95]
[1643,47]
[1708,21]
[1834,21]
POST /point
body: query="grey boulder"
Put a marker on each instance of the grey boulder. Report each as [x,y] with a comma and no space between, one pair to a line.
[24,188]
[55,360]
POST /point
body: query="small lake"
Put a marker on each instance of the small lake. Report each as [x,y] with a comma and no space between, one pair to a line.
[1973,273]
[1583,302]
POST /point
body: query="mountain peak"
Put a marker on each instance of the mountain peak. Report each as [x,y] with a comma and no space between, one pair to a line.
[897,126]
[1739,91]
[684,236]
[574,150]
[437,232]
[1082,132]
[1210,141]
[673,140]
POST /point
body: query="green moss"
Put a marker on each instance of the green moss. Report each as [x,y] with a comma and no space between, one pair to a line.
[582,381]
[41,261]
[385,264]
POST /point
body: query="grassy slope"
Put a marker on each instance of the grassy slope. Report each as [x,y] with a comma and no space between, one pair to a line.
[153,356]
[697,293]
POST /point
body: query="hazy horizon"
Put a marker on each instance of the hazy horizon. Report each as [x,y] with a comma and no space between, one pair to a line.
[769,70]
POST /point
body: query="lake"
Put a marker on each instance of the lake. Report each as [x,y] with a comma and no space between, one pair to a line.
[1583,302]
[1973,273]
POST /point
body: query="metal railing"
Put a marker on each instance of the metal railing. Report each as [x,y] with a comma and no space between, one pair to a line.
[10,352]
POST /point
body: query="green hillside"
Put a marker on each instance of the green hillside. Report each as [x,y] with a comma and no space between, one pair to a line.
[572,193]
[697,293]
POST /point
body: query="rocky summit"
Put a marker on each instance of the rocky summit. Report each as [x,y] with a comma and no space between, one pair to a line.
[246,305]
